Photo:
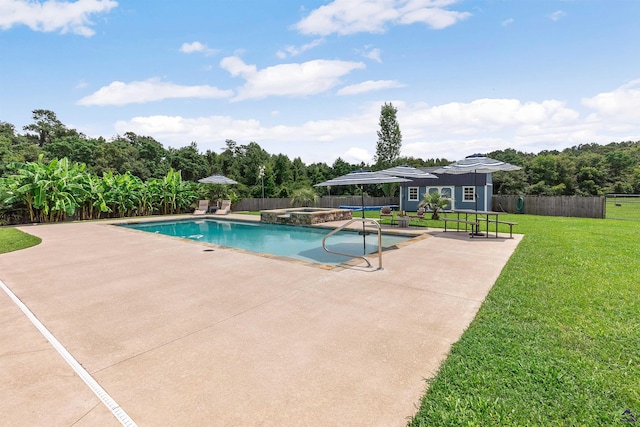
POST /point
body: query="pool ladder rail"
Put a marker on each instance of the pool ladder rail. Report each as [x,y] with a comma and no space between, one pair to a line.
[363,221]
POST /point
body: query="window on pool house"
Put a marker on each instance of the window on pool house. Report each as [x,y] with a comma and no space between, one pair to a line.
[468,194]
[413,193]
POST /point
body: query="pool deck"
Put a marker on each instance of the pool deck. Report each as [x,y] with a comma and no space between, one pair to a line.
[179,334]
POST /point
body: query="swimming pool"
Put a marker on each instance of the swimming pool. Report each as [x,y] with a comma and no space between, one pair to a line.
[297,242]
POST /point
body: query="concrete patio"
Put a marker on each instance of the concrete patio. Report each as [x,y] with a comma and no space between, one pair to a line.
[181,335]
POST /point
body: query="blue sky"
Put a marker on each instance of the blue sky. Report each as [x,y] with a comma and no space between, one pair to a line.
[307,78]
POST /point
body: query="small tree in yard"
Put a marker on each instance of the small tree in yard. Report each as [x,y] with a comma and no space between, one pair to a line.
[435,202]
[389,137]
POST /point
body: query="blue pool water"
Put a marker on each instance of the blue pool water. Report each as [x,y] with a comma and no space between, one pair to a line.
[303,243]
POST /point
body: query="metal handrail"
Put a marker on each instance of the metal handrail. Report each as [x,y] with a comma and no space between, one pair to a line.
[363,220]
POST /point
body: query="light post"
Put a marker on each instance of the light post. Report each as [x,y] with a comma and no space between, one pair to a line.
[261,176]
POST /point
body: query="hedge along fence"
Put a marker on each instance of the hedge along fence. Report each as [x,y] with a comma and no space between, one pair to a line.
[570,206]
[323,202]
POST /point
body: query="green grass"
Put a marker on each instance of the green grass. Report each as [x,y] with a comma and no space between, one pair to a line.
[557,341]
[12,239]
[623,208]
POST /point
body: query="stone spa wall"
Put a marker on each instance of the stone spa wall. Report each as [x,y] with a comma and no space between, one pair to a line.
[304,216]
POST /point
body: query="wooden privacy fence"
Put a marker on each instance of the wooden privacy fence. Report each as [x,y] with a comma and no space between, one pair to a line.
[323,202]
[570,206]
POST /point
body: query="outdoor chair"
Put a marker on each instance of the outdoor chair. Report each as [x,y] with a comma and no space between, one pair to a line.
[203,207]
[386,212]
[224,208]
[419,214]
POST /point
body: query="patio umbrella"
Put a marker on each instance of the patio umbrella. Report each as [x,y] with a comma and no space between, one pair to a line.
[477,164]
[362,177]
[217,179]
[406,171]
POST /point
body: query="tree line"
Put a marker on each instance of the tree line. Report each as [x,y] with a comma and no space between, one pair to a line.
[140,161]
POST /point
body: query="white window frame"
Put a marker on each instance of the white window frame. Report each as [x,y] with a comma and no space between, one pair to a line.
[468,194]
[416,195]
[439,190]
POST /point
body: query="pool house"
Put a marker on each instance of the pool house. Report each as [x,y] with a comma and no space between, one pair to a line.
[461,189]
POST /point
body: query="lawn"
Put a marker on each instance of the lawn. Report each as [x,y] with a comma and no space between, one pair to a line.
[557,341]
[623,208]
[12,239]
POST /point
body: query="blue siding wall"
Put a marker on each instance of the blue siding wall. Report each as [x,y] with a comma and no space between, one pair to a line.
[483,183]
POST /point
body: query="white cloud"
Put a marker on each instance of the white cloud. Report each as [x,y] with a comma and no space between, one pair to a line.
[53,15]
[373,54]
[369,86]
[487,116]
[621,105]
[177,129]
[197,47]
[208,131]
[452,130]
[507,22]
[295,51]
[557,15]
[434,17]
[82,84]
[357,155]
[296,79]
[151,90]
[372,16]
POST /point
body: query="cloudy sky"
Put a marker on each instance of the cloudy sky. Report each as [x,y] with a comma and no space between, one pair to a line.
[307,78]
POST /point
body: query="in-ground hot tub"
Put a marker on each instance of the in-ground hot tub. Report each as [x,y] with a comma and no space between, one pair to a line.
[304,216]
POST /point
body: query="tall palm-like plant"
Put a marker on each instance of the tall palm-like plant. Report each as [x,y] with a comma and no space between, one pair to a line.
[304,197]
[435,202]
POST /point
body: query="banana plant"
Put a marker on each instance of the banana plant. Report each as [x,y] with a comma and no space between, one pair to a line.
[48,190]
[92,202]
[122,193]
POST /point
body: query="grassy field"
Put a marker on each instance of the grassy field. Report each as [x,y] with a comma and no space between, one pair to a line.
[557,341]
[12,239]
[623,208]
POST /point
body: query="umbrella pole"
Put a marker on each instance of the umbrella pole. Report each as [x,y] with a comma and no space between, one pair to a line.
[364,234]
[475,187]
[362,202]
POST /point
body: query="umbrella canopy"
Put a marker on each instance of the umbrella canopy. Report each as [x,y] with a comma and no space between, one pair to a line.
[407,171]
[362,177]
[217,179]
[476,164]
